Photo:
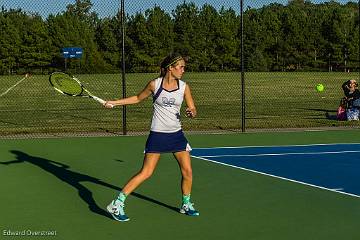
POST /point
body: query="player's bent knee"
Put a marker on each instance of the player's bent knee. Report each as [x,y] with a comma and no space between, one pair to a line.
[146,174]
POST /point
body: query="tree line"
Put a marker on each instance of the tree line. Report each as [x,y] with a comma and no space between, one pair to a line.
[299,36]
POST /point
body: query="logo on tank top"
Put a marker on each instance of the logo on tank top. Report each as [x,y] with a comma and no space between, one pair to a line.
[168,102]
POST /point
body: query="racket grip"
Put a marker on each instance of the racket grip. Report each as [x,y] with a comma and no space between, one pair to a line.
[99,100]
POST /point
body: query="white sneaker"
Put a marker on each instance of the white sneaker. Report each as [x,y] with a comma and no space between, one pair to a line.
[116,209]
[189,209]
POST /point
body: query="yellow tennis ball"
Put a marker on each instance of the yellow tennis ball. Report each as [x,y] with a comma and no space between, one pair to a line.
[319,87]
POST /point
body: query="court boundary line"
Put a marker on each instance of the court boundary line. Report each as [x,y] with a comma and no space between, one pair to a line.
[279,177]
[279,154]
[294,145]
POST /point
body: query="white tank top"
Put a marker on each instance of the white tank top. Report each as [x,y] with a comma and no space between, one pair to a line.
[167,105]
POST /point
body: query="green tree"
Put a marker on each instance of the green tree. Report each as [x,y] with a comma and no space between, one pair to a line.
[227,41]
[208,34]
[297,36]
[35,47]
[137,47]
[187,38]
[10,41]
[70,29]
[107,41]
[161,35]
[253,41]
[294,27]
[271,35]
[82,9]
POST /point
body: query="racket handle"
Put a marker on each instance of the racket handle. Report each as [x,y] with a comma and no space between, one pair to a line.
[99,100]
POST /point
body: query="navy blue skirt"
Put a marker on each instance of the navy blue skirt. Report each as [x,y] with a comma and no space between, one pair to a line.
[159,142]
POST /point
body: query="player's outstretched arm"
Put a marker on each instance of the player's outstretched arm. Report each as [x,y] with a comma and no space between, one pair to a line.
[145,93]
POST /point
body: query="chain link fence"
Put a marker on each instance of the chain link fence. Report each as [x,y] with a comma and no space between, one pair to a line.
[288,48]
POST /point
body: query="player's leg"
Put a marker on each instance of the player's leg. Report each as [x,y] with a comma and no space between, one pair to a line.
[184,162]
[149,165]
[116,207]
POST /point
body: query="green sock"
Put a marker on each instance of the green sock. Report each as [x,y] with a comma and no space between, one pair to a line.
[186,199]
[121,197]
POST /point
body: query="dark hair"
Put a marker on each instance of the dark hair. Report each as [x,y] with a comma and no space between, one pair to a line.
[346,85]
[168,61]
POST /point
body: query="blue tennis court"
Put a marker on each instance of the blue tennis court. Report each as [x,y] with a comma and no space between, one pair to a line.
[334,167]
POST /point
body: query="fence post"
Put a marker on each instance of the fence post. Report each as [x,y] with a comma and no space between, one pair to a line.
[242,67]
[122,13]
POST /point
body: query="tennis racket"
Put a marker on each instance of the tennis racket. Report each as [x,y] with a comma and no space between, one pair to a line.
[71,86]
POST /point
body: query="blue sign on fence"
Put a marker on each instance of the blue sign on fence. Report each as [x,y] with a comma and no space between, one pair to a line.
[72,52]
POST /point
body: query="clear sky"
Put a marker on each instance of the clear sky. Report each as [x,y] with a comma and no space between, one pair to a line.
[110,7]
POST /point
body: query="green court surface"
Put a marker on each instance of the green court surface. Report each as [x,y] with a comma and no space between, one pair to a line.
[64,184]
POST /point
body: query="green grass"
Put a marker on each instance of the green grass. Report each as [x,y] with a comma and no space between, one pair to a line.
[273,100]
[49,184]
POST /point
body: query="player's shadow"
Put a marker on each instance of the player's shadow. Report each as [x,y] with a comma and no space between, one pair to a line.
[75,179]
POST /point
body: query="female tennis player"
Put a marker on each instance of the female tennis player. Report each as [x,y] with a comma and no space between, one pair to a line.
[166,135]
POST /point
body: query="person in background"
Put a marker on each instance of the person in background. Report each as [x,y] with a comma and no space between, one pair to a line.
[352,96]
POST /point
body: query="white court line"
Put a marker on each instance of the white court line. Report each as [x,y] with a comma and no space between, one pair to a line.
[279,154]
[277,146]
[8,90]
[282,178]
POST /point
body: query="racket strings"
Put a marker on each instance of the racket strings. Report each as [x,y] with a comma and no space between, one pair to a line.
[66,84]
